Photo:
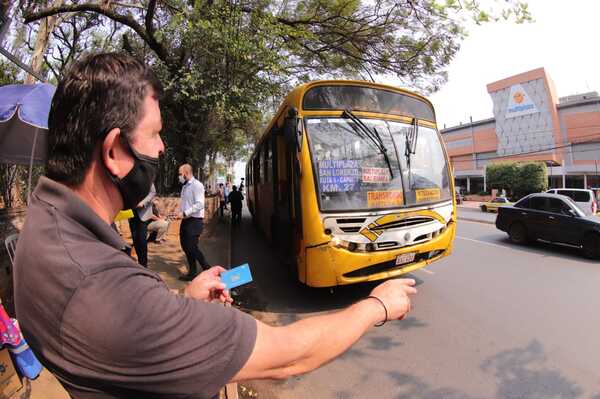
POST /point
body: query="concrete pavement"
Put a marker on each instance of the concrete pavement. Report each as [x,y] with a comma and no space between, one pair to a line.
[493,320]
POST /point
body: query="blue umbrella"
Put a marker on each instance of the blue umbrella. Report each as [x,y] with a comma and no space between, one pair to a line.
[24,113]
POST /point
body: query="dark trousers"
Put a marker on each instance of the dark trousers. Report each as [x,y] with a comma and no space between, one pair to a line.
[139,230]
[190,230]
[236,215]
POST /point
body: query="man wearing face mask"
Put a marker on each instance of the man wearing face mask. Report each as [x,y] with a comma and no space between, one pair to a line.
[192,213]
[109,328]
[104,325]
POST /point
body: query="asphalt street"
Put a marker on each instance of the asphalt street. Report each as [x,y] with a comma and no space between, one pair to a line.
[493,320]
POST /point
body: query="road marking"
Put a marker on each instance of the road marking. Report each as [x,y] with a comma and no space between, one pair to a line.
[426,271]
[486,243]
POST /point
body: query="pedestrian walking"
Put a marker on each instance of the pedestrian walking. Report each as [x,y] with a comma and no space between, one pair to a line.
[222,201]
[192,213]
[138,225]
[227,191]
[235,199]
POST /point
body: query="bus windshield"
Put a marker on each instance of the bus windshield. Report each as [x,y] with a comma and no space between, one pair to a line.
[352,171]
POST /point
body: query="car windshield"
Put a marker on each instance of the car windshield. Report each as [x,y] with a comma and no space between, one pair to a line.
[574,205]
[352,171]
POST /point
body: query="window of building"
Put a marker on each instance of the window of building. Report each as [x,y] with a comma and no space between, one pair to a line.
[574,181]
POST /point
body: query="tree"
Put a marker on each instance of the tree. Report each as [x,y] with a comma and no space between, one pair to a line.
[224,61]
[518,179]
[502,175]
[533,178]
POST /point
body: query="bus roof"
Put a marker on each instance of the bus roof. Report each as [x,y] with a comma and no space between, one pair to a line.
[296,96]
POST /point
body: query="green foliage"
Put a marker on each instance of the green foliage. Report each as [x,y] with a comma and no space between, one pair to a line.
[533,178]
[226,64]
[518,179]
[9,74]
[501,175]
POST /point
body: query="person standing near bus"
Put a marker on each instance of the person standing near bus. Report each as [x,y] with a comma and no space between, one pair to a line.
[235,199]
[192,213]
[221,194]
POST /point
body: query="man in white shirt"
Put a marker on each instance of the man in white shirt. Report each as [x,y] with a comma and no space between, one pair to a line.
[192,213]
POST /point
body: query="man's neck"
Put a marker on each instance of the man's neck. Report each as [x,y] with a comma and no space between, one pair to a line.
[99,193]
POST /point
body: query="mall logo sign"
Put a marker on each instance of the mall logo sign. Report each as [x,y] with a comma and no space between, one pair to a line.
[519,103]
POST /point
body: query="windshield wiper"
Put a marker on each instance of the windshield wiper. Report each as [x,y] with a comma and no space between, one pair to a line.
[411,145]
[373,135]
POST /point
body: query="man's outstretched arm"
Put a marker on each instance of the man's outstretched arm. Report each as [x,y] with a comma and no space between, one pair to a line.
[280,352]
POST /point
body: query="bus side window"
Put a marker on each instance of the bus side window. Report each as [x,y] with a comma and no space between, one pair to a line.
[261,166]
[268,161]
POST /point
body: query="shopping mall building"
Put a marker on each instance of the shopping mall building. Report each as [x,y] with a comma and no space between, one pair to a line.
[530,123]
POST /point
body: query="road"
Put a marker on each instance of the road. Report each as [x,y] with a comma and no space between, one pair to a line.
[493,320]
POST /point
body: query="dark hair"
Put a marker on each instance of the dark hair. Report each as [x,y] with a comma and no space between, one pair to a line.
[99,93]
[234,188]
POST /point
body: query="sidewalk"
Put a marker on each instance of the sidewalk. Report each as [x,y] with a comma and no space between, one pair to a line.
[168,261]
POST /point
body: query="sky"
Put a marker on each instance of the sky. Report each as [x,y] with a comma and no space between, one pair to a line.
[562,39]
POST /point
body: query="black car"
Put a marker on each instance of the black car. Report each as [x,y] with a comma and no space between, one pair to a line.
[551,217]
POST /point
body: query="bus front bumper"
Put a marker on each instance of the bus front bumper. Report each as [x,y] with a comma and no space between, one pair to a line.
[338,266]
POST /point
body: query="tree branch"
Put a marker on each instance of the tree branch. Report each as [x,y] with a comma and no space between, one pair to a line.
[126,20]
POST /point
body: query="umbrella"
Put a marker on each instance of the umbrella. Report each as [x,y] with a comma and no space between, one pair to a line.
[24,113]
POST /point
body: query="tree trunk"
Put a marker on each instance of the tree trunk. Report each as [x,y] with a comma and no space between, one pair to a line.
[41,43]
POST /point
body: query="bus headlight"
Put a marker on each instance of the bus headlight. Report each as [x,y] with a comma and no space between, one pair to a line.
[336,242]
[339,243]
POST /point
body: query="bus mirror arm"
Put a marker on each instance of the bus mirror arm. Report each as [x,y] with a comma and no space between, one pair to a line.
[290,129]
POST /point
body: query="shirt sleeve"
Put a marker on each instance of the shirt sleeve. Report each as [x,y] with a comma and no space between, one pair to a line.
[198,199]
[148,198]
[132,333]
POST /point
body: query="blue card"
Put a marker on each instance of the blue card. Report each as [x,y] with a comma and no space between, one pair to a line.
[237,276]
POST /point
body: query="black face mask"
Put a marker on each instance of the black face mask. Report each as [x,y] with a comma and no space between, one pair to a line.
[135,186]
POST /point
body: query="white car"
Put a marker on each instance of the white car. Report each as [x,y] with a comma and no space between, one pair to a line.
[585,199]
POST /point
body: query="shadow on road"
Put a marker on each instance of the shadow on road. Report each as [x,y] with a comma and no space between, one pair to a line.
[273,288]
[539,247]
[521,373]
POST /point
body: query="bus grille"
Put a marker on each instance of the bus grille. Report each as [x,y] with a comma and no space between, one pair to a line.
[414,221]
[389,265]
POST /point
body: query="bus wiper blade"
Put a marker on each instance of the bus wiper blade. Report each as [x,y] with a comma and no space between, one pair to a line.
[373,135]
[411,146]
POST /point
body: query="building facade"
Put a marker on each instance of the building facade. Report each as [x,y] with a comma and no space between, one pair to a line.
[530,123]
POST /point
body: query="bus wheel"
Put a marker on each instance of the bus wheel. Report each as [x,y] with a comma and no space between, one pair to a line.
[483,208]
[591,246]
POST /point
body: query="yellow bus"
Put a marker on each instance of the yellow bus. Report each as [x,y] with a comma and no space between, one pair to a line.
[352,182]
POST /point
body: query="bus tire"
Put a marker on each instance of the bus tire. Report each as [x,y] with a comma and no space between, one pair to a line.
[483,208]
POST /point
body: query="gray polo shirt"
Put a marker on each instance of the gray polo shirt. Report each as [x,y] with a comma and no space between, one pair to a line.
[107,327]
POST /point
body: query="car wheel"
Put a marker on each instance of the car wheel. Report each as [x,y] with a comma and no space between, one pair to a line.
[483,208]
[518,233]
[591,246]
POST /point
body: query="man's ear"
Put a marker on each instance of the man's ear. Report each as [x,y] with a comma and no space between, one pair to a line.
[111,151]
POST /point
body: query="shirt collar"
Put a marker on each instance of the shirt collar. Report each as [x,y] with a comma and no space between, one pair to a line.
[65,201]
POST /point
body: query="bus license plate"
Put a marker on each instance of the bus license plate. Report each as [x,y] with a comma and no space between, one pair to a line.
[405,258]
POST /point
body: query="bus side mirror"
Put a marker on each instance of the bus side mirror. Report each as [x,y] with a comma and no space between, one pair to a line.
[292,129]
